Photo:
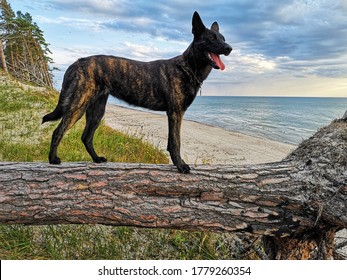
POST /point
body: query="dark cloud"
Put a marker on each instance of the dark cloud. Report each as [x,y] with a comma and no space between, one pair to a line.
[288,28]
[173,16]
[304,31]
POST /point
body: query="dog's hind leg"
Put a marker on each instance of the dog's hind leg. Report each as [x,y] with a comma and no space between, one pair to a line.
[94,114]
[68,120]
[174,141]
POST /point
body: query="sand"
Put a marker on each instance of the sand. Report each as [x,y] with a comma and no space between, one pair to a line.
[200,143]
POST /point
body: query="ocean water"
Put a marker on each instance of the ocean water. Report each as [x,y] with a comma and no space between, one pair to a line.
[284,119]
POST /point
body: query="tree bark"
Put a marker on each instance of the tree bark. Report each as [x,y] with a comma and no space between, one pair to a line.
[2,57]
[297,203]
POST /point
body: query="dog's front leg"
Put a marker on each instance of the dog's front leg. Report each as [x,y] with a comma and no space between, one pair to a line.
[174,141]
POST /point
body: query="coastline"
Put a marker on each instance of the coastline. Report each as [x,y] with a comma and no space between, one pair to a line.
[200,143]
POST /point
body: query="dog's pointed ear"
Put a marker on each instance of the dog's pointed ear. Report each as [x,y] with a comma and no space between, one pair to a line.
[198,26]
[215,26]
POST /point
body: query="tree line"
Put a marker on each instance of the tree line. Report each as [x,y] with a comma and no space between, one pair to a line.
[24,52]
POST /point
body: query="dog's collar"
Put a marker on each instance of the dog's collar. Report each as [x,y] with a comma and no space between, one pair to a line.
[196,78]
[186,68]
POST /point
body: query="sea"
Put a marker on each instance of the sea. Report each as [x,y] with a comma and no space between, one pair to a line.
[284,119]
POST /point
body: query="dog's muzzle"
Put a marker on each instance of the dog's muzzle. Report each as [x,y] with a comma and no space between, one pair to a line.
[227,49]
[215,60]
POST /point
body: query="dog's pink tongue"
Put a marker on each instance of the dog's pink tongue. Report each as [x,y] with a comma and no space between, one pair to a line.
[218,61]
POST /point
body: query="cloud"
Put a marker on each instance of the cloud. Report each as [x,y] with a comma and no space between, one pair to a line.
[302,30]
[171,19]
[147,26]
[327,67]
[119,9]
[255,63]
[87,6]
[78,23]
[270,39]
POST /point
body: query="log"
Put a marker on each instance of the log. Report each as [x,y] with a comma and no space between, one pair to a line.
[297,204]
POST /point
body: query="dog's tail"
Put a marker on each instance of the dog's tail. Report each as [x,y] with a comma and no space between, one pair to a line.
[55,115]
[58,111]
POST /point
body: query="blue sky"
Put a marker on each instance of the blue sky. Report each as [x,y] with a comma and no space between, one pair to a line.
[281,48]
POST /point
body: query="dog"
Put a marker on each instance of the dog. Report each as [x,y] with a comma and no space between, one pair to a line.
[163,85]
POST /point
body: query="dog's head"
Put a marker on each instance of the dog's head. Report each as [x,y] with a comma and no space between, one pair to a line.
[210,42]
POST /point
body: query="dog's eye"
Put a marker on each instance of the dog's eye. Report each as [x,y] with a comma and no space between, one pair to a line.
[213,37]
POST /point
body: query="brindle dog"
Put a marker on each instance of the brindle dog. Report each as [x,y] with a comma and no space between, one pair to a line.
[163,85]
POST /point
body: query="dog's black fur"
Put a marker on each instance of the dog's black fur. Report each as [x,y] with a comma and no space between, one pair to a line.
[163,85]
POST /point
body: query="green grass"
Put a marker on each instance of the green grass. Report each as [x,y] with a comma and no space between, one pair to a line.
[23,138]
[104,242]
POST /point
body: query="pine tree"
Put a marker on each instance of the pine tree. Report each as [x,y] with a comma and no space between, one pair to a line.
[25,51]
[6,27]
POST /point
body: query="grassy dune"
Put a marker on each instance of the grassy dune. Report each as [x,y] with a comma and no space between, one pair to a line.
[23,138]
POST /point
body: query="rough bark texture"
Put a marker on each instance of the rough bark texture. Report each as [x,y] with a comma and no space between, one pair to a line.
[297,204]
[2,57]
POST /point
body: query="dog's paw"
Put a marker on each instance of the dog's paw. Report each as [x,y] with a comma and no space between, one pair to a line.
[184,168]
[100,160]
[54,160]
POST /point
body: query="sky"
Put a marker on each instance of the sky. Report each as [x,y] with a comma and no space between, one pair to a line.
[280,48]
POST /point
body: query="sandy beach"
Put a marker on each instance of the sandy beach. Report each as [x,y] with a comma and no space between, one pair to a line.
[200,143]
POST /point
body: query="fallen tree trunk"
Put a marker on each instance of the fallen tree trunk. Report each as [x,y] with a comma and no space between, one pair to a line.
[297,204]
